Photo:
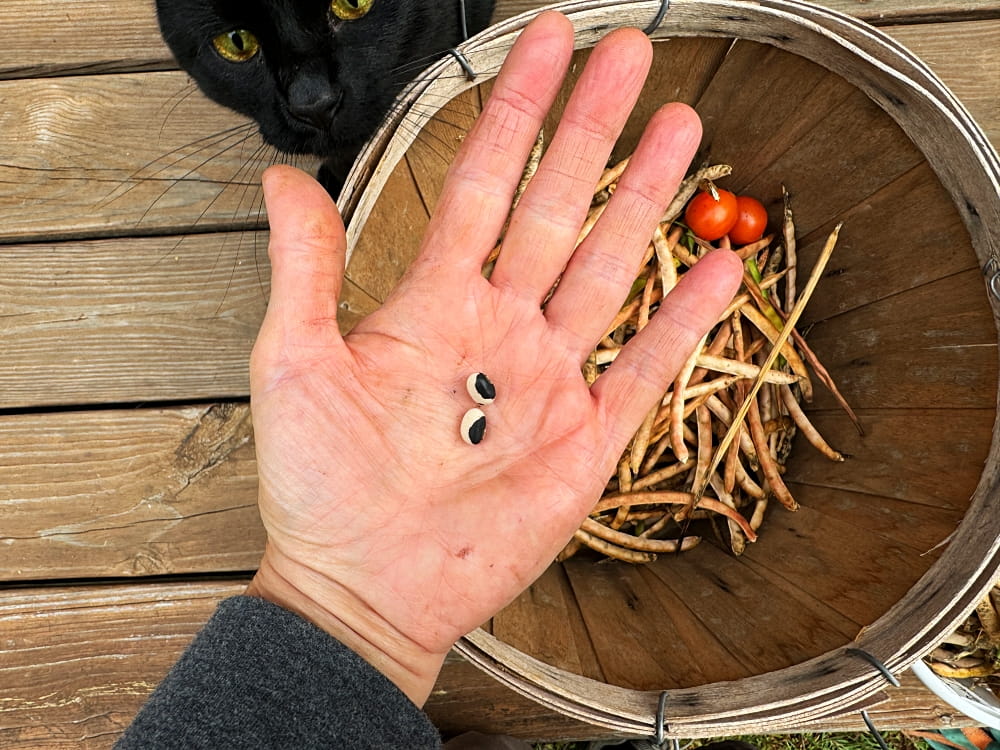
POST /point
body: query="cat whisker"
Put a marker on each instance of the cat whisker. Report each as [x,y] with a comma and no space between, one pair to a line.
[181,96]
[184,177]
[228,183]
[415,63]
[264,152]
[426,61]
[138,178]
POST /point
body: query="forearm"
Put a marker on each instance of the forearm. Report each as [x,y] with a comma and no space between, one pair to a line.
[333,609]
[260,676]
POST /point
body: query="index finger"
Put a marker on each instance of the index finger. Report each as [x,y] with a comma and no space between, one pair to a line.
[480,184]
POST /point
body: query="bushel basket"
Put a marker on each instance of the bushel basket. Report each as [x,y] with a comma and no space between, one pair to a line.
[889,549]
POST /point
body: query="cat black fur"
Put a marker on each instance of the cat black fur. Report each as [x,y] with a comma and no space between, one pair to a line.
[318,85]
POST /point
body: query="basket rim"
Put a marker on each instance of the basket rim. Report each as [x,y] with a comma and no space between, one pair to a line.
[902,86]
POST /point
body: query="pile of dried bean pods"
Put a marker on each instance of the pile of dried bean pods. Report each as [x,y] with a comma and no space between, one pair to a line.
[973,650]
[687,462]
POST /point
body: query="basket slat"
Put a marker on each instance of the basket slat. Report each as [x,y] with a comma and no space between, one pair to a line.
[438,143]
[928,345]
[920,456]
[546,620]
[915,525]
[855,571]
[762,103]
[385,252]
[626,651]
[873,262]
[761,626]
[696,62]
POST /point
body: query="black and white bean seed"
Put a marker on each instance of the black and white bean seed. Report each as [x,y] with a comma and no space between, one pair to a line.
[480,388]
[473,426]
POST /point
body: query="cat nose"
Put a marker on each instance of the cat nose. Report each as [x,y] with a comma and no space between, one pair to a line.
[312,100]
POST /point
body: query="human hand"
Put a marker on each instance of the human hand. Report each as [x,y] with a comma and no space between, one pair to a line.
[384,527]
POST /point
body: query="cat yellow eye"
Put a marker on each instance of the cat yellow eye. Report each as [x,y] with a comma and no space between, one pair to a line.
[349,10]
[236,46]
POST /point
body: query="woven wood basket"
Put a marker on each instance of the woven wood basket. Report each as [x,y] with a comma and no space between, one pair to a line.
[889,549]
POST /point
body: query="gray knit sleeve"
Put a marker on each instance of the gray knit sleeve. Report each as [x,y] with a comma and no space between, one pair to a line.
[259,676]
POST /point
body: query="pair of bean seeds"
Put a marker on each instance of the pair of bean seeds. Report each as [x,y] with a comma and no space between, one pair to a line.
[482,391]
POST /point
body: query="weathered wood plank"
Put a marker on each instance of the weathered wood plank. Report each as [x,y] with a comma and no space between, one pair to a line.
[76,663]
[128,154]
[973,76]
[855,572]
[84,36]
[136,320]
[124,493]
[545,622]
[933,345]
[141,492]
[875,11]
[130,320]
[74,145]
[920,527]
[79,36]
[760,626]
[929,456]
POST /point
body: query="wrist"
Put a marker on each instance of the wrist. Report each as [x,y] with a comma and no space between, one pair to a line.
[347,618]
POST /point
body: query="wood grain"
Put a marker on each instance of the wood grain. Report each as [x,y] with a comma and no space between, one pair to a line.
[760,626]
[825,186]
[80,36]
[438,143]
[932,345]
[79,146]
[108,296]
[391,239]
[920,527]
[973,76]
[672,83]
[545,621]
[130,320]
[624,618]
[123,154]
[128,493]
[934,457]
[85,36]
[900,238]
[76,664]
[875,11]
[136,320]
[854,571]
[763,102]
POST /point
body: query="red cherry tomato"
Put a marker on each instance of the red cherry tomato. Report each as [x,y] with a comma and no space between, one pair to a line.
[711,219]
[751,221]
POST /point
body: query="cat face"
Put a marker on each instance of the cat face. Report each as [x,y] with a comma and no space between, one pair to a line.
[316,75]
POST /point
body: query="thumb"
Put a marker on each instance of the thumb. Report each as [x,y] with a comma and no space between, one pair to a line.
[307,248]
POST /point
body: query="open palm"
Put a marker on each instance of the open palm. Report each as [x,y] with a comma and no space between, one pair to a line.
[384,526]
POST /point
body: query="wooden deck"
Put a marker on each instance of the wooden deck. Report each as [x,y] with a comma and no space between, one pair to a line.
[128,308]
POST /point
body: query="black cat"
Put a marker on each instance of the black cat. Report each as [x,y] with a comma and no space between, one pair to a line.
[317,76]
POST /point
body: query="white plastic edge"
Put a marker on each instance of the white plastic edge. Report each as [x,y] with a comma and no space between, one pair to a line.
[984,708]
